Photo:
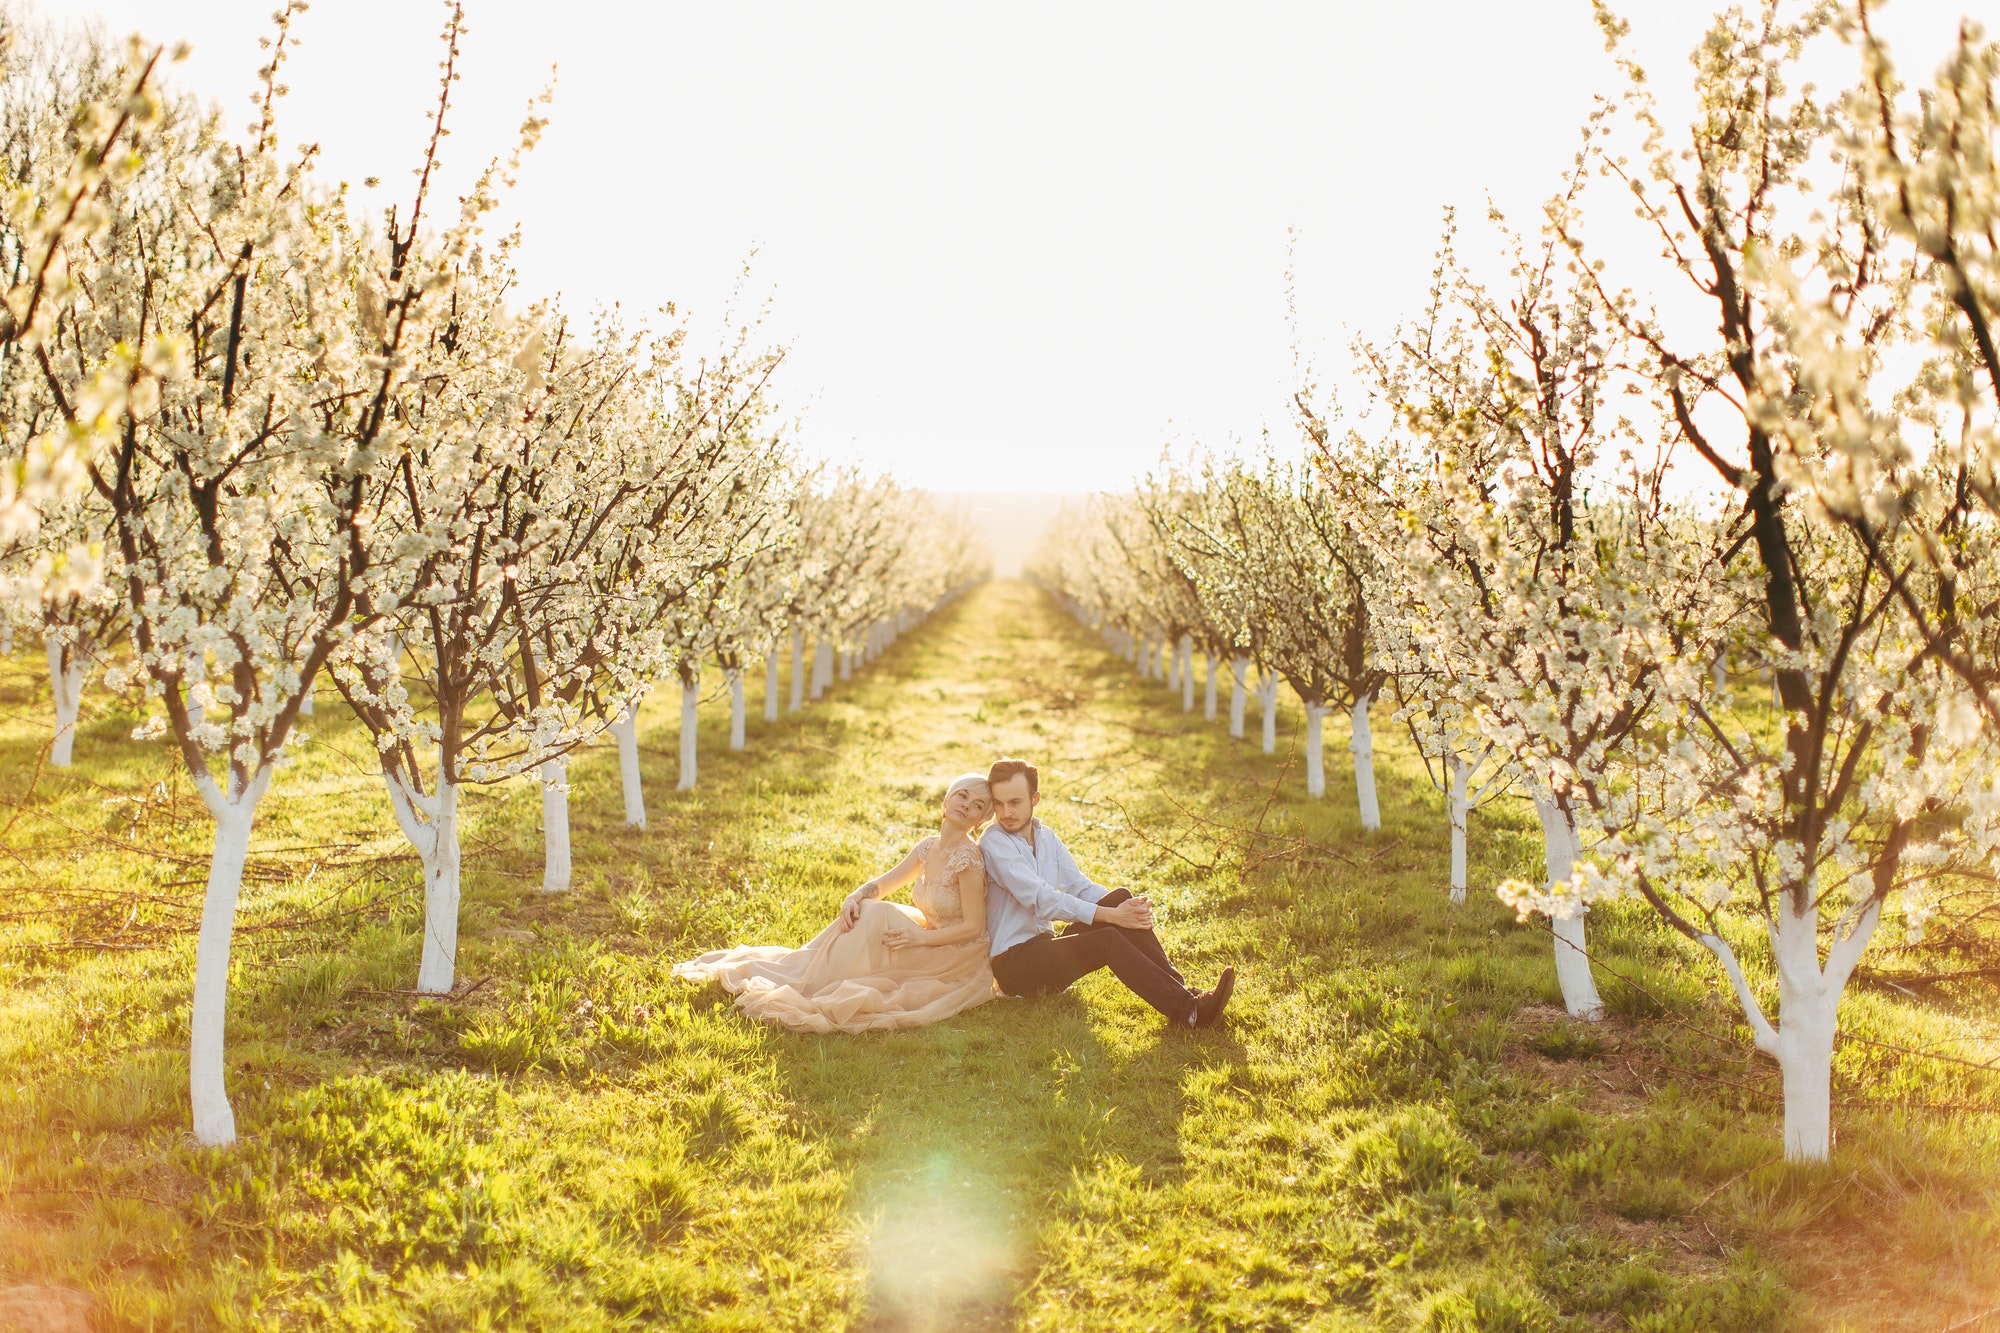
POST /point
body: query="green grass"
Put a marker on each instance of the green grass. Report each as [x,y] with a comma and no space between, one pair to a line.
[1396,1129]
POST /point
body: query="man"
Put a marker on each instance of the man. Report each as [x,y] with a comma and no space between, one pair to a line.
[1032,882]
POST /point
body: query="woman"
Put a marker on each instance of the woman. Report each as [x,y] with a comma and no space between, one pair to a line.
[880,964]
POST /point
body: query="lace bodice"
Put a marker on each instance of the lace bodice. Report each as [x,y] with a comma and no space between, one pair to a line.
[939,901]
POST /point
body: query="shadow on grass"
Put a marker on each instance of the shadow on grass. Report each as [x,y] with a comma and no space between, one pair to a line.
[965,1141]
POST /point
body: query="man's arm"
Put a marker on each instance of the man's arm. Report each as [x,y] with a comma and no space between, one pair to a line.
[1070,878]
[1135,913]
[1008,866]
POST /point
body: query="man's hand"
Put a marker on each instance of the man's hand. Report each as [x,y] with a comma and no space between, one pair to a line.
[1132,914]
[850,910]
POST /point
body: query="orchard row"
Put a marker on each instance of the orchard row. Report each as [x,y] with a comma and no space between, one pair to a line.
[1766,703]
[264,448]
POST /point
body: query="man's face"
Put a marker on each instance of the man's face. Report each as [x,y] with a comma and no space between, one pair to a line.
[1013,804]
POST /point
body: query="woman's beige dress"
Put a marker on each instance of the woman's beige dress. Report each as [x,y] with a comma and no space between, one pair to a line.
[851,981]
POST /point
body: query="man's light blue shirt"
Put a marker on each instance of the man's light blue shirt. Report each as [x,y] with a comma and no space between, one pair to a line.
[1039,884]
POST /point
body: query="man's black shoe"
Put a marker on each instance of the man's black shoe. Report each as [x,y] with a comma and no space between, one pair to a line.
[1208,1006]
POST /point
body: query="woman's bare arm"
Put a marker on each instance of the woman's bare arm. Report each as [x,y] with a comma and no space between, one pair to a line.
[886,883]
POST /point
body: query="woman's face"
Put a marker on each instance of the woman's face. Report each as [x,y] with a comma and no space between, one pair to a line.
[967,807]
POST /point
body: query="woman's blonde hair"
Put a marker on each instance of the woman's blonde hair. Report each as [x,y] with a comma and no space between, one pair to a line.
[974,781]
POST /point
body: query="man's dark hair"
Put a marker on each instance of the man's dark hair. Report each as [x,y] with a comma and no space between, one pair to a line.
[1006,770]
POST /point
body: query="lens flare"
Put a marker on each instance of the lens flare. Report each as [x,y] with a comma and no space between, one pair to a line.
[940,1246]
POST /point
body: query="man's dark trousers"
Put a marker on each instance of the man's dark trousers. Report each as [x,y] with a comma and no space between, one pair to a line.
[1049,963]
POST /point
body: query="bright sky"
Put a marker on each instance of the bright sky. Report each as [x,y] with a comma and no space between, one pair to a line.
[1011,247]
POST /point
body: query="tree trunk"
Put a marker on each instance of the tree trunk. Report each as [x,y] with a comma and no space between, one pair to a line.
[626,729]
[208,1095]
[1805,1057]
[734,675]
[1808,1015]
[1172,652]
[1208,705]
[1361,740]
[66,682]
[1267,695]
[1315,756]
[306,702]
[690,696]
[435,838]
[1237,695]
[1808,1020]
[1187,673]
[798,670]
[846,663]
[771,681]
[556,870]
[1455,810]
[1579,990]
[822,668]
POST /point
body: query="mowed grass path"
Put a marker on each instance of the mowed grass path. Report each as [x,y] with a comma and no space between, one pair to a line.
[1396,1128]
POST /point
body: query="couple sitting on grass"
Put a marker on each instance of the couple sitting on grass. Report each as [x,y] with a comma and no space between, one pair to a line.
[983,924]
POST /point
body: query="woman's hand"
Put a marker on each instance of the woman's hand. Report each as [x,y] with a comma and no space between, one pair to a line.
[850,910]
[902,937]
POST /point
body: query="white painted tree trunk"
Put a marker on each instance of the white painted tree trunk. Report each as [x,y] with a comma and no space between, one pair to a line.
[439,969]
[1267,695]
[798,670]
[1208,705]
[1809,1020]
[1361,740]
[1187,673]
[556,869]
[626,730]
[822,668]
[1559,843]
[1455,811]
[771,682]
[690,731]
[435,838]
[1172,652]
[208,1094]
[1808,1016]
[1237,695]
[1315,750]
[67,685]
[734,675]
[306,702]
[846,663]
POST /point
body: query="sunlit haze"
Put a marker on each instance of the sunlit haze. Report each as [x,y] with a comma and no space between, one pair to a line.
[1011,248]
